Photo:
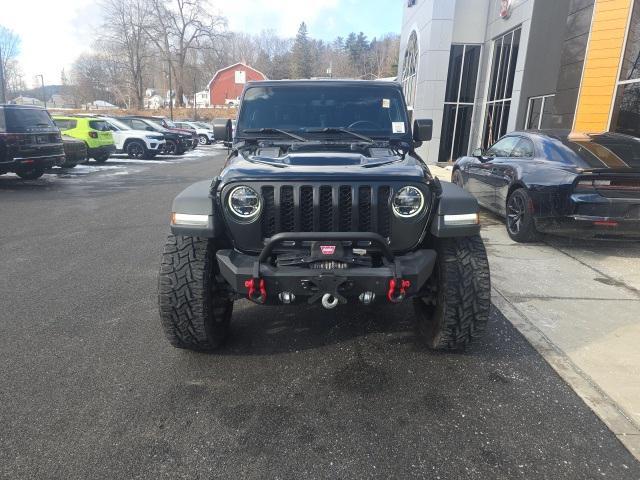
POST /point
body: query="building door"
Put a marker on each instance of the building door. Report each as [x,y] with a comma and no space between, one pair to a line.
[503,69]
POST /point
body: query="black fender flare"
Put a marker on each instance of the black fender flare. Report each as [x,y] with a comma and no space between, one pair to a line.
[454,201]
[198,200]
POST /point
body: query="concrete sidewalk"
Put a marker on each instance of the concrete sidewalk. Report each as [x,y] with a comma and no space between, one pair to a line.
[578,303]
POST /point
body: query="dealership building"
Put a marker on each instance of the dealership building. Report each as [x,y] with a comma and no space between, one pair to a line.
[482,68]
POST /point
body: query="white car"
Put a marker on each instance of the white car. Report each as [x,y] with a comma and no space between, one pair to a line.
[135,143]
[204,131]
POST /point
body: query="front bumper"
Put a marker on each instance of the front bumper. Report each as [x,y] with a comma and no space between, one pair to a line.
[412,270]
[155,145]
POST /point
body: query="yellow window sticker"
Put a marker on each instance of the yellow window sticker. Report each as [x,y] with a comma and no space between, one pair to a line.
[386,103]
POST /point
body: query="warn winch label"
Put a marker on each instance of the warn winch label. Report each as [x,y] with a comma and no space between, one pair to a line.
[328,249]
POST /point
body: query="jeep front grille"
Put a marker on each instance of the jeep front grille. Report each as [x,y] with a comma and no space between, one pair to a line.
[326,208]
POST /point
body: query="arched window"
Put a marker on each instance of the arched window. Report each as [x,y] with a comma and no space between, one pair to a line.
[410,69]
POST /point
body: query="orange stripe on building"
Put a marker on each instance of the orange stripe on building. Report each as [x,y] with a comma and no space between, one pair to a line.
[601,65]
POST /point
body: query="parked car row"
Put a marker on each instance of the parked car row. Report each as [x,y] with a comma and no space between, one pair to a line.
[558,182]
[33,141]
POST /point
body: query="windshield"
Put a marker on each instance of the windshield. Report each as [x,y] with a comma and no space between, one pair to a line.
[169,123]
[375,111]
[118,124]
[19,118]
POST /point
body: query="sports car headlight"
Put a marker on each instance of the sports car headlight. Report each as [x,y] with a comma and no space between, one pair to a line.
[408,202]
[244,202]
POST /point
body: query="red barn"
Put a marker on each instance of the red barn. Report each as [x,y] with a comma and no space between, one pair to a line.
[226,85]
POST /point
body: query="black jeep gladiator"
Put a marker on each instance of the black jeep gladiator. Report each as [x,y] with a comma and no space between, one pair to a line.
[324,199]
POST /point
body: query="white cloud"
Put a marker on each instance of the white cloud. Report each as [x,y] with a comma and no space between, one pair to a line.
[53,33]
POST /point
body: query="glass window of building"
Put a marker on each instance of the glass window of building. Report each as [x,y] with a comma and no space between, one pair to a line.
[539,110]
[626,108]
[410,69]
[458,102]
[503,69]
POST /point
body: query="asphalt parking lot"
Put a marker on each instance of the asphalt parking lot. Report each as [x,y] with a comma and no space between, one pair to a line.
[91,389]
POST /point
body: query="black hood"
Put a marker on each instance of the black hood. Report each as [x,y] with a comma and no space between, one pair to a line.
[322,166]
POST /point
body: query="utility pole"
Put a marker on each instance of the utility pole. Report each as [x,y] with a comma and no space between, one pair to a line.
[170,94]
[44,92]
[195,113]
[3,91]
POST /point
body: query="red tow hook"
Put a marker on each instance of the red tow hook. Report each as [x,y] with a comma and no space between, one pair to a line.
[251,294]
[397,289]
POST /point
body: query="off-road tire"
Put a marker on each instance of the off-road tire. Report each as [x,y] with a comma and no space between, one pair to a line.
[30,174]
[195,310]
[527,232]
[456,312]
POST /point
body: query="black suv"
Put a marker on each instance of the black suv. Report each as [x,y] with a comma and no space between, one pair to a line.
[324,199]
[175,143]
[164,122]
[30,142]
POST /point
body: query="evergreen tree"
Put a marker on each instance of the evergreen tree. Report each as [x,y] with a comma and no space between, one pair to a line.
[302,61]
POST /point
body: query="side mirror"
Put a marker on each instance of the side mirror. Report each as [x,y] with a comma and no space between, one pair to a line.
[422,130]
[222,129]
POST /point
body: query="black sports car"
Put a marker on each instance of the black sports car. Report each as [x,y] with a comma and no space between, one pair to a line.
[558,182]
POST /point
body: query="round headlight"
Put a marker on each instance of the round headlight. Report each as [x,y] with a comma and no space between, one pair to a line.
[408,202]
[244,202]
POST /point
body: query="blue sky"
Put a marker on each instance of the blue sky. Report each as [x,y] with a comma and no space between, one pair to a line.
[63,29]
[326,19]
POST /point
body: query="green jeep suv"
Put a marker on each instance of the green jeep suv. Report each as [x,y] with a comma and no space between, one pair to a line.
[95,132]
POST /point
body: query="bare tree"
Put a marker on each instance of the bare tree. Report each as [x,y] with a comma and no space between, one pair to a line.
[9,45]
[179,27]
[124,35]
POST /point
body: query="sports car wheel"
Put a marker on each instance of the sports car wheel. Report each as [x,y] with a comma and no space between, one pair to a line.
[520,224]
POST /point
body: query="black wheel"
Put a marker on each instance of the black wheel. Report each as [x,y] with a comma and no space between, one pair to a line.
[455,310]
[195,310]
[520,224]
[170,148]
[102,158]
[68,165]
[30,174]
[203,140]
[136,149]
[456,178]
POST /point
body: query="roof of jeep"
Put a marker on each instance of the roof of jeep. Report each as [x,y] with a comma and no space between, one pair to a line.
[325,82]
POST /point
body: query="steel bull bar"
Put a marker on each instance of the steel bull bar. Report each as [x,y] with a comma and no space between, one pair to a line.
[399,276]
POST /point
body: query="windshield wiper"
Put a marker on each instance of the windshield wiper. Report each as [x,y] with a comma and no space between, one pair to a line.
[340,130]
[275,130]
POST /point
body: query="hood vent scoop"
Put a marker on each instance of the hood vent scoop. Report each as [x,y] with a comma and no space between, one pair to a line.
[274,155]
